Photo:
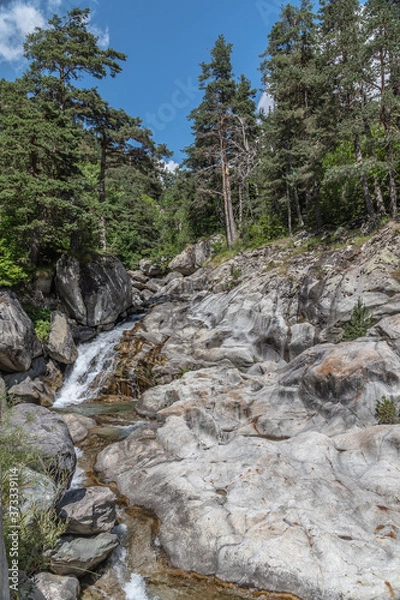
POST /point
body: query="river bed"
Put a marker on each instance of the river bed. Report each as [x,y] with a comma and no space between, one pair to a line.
[139,568]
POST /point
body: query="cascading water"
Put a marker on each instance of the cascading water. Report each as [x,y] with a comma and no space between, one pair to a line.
[95,360]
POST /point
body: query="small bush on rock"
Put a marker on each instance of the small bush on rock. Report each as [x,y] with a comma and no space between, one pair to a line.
[359,323]
[386,412]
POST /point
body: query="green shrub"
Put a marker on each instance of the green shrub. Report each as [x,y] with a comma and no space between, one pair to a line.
[40,318]
[39,529]
[10,272]
[359,323]
[386,412]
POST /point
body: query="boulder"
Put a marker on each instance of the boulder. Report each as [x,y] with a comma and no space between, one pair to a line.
[150,268]
[88,510]
[60,345]
[27,589]
[77,556]
[19,344]
[48,436]
[37,491]
[78,426]
[192,258]
[57,587]
[37,369]
[29,390]
[94,293]
[138,276]
[82,333]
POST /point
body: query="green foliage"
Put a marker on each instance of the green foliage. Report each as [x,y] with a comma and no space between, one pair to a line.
[38,528]
[359,323]
[40,318]
[11,272]
[267,228]
[386,412]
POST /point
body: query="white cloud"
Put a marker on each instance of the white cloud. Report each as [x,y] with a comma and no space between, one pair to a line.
[265,103]
[16,21]
[54,4]
[103,35]
[18,18]
[171,166]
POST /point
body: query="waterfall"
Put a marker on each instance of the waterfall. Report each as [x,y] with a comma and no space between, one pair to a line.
[94,360]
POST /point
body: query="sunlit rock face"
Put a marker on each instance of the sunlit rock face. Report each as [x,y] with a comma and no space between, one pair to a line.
[18,342]
[263,457]
[93,293]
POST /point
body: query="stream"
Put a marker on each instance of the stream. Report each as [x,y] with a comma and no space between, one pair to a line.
[139,568]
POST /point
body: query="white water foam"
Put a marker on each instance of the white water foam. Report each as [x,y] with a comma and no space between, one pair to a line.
[135,588]
[94,360]
[132,584]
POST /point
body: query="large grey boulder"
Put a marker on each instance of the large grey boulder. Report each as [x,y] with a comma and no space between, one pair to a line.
[77,556]
[30,391]
[46,434]
[60,345]
[192,258]
[57,587]
[88,510]
[19,344]
[94,293]
[78,426]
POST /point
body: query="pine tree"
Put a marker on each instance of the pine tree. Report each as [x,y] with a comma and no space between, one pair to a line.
[42,200]
[292,155]
[245,143]
[382,53]
[210,154]
[343,41]
[63,53]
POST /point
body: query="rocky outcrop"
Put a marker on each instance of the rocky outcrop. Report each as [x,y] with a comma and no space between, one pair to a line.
[192,258]
[47,435]
[77,556]
[88,510]
[264,459]
[94,293]
[56,587]
[18,342]
[60,345]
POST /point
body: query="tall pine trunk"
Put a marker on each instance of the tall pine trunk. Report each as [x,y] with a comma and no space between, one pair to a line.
[289,209]
[298,209]
[380,205]
[231,234]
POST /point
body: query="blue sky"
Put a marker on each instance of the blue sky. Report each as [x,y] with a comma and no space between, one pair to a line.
[164,41]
